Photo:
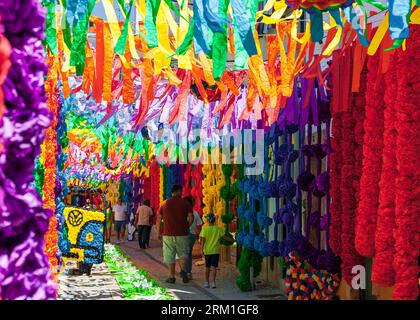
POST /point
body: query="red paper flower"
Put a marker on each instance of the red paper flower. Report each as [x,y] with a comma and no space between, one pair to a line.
[345,171]
[186,190]
[335,190]
[154,185]
[349,255]
[382,271]
[372,153]
[197,189]
[407,201]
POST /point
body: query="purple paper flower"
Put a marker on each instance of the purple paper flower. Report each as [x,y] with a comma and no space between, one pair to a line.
[24,268]
[320,185]
[304,180]
[273,248]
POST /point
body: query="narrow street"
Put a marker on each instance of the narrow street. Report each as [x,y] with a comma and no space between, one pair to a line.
[102,283]
[151,261]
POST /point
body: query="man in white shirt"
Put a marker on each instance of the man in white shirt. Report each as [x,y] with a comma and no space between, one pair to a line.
[120,219]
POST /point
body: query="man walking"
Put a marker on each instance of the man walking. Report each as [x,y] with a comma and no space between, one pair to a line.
[177,216]
[120,218]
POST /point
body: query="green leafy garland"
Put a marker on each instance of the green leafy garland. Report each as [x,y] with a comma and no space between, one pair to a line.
[248,258]
[227,194]
[135,283]
[39,175]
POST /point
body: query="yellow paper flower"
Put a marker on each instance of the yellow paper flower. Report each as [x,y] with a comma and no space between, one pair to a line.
[89,237]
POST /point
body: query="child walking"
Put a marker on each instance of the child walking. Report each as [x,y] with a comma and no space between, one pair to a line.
[210,237]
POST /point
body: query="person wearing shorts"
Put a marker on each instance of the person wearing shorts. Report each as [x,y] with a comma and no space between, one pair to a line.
[173,221]
[120,218]
[210,237]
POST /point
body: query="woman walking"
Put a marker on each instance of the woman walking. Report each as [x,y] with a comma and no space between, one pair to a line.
[143,215]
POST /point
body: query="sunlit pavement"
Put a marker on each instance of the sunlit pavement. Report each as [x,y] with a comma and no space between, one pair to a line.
[151,261]
[100,285]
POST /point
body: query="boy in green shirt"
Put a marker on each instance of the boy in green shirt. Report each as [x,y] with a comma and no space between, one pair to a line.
[210,237]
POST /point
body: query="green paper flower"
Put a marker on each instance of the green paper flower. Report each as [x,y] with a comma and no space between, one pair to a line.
[135,283]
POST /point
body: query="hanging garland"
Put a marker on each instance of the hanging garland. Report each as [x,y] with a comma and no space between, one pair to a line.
[246,212]
[170,181]
[50,166]
[312,270]
[207,195]
[383,272]
[335,190]
[179,174]
[371,168]
[211,185]
[219,207]
[128,190]
[249,259]
[186,189]
[244,187]
[39,175]
[227,194]
[273,192]
[5,51]
[197,189]
[137,194]
[161,188]
[25,273]
[346,111]
[349,255]
[155,177]
[251,214]
[112,193]
[287,189]
[407,200]
[61,189]
[264,221]
[167,180]
[146,187]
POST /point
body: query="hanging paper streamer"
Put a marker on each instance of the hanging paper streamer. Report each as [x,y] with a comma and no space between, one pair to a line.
[80,30]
